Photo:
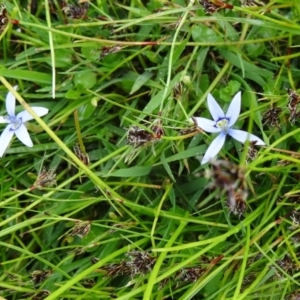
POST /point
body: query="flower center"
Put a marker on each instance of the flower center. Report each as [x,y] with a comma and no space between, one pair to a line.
[15,122]
[223,124]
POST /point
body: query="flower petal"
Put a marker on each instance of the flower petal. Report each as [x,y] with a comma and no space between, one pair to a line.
[5,138]
[243,136]
[26,116]
[214,148]
[3,120]
[23,135]
[234,109]
[206,125]
[10,103]
[214,108]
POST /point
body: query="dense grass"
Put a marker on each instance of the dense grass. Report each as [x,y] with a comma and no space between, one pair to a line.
[144,220]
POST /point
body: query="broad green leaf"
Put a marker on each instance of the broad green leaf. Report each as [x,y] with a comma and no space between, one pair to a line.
[213,285]
[256,49]
[25,54]
[230,90]
[202,33]
[156,100]
[35,148]
[85,111]
[128,81]
[91,53]
[129,172]
[137,11]
[204,82]
[199,150]
[152,56]
[140,81]
[85,78]
[248,66]
[166,166]
[202,56]
[178,50]
[63,58]
[33,76]
[73,94]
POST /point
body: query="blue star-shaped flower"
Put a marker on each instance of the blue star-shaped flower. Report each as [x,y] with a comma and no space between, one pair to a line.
[222,123]
[16,123]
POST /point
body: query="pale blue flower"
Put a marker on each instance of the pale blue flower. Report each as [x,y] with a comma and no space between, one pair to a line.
[222,123]
[16,123]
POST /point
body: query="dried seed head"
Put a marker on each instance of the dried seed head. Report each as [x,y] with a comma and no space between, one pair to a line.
[191,128]
[189,274]
[94,260]
[75,11]
[178,90]
[211,6]
[295,217]
[271,116]
[294,100]
[230,178]
[248,280]
[236,203]
[40,295]
[45,179]
[3,17]
[78,251]
[226,175]
[81,155]
[116,227]
[116,269]
[205,259]
[13,277]
[251,152]
[287,264]
[296,239]
[140,262]
[81,229]
[255,258]
[88,283]
[283,162]
[158,129]
[108,50]
[163,283]
[40,276]
[253,2]
[208,6]
[294,296]
[139,137]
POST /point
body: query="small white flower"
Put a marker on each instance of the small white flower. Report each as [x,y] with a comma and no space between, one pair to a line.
[222,123]
[16,123]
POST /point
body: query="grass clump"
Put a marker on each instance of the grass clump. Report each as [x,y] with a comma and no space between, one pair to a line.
[111,202]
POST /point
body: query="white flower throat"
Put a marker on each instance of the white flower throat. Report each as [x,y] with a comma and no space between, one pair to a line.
[223,124]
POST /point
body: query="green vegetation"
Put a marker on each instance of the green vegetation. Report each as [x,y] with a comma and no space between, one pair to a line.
[112,201]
